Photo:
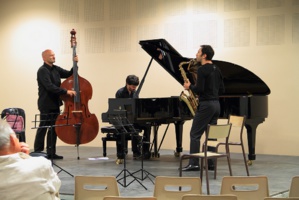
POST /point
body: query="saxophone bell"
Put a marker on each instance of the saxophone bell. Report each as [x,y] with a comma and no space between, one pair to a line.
[190,99]
[192,106]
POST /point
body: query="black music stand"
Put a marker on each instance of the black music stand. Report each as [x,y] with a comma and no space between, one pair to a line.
[144,174]
[50,120]
[123,128]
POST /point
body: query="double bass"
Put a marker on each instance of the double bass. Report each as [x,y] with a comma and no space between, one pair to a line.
[76,125]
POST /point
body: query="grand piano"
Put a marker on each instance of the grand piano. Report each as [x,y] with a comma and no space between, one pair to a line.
[245,94]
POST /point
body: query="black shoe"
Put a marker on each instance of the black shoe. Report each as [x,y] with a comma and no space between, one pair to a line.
[191,168]
[146,155]
[55,157]
[211,165]
[136,156]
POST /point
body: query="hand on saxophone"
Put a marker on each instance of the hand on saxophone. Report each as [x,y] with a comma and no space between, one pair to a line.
[187,84]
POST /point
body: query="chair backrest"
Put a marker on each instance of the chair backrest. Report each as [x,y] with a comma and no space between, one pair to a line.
[95,187]
[238,123]
[17,120]
[246,187]
[281,198]
[209,197]
[218,131]
[129,198]
[294,188]
[174,188]
[15,112]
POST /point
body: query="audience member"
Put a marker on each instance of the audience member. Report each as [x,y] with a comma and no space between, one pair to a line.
[22,176]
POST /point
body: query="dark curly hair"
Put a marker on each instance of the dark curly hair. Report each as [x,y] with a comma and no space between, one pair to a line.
[132,80]
[208,50]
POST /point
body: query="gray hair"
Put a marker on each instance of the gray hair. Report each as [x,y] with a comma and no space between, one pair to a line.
[5,132]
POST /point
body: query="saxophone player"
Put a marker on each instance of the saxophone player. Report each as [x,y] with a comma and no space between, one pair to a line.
[209,85]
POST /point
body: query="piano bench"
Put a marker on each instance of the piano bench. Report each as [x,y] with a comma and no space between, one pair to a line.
[111,135]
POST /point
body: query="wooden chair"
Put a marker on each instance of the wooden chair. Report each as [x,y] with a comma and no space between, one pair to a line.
[129,198]
[213,132]
[294,188]
[238,123]
[16,117]
[245,187]
[281,198]
[174,188]
[209,197]
[95,187]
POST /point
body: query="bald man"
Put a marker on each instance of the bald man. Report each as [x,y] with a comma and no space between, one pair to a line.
[49,80]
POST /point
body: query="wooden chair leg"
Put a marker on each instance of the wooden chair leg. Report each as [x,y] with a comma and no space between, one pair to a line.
[229,161]
[215,163]
[183,157]
[245,161]
[202,167]
[207,175]
[215,168]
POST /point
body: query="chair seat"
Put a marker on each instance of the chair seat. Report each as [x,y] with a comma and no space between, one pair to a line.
[209,154]
[209,197]
[212,143]
[234,143]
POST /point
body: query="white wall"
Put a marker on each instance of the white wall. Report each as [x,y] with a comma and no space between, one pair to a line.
[260,35]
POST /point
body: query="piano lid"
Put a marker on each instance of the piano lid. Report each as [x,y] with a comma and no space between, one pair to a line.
[237,79]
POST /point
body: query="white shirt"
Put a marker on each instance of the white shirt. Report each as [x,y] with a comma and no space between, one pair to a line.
[26,177]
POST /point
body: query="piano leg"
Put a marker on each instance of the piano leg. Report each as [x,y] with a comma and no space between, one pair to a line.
[179,137]
[155,154]
[251,127]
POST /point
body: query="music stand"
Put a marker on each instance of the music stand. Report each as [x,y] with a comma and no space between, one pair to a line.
[50,119]
[123,128]
[142,170]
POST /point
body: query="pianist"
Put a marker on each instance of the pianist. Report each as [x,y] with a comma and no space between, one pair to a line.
[129,91]
[209,85]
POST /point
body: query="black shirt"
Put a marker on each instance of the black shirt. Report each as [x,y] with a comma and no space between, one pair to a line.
[124,93]
[49,81]
[209,83]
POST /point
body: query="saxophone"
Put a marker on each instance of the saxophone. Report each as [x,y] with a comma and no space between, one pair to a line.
[190,99]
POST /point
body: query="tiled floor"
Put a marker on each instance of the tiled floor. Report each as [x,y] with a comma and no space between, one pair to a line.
[278,169]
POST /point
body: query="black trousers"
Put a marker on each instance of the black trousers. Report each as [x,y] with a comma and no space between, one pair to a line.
[207,113]
[122,146]
[46,127]
[139,143]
